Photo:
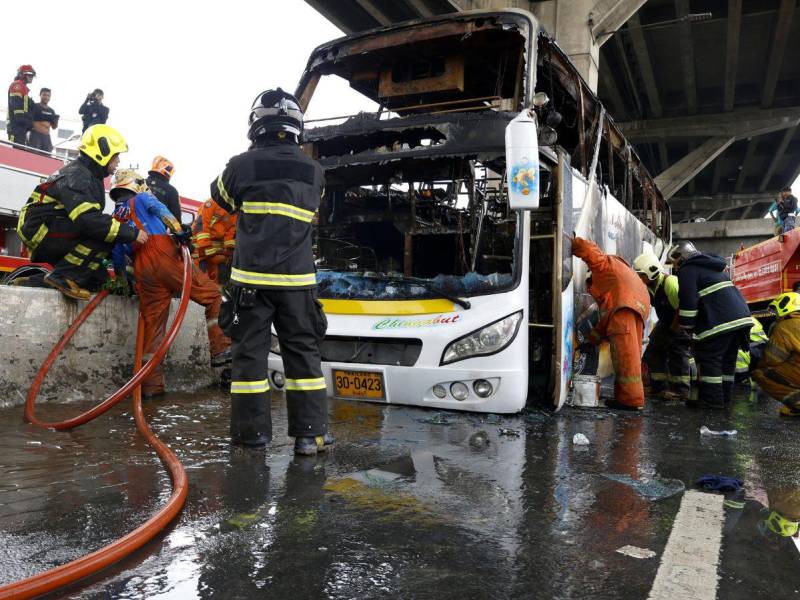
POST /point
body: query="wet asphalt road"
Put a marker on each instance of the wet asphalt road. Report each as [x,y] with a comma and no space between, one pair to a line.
[410,504]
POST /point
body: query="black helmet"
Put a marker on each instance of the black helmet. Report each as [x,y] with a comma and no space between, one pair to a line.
[275,111]
[680,252]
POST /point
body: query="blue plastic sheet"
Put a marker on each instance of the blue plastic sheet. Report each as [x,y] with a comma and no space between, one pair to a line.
[352,285]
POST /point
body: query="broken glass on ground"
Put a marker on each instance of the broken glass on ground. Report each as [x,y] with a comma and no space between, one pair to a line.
[652,489]
[636,552]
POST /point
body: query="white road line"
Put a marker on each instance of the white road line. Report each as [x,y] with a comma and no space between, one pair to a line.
[688,568]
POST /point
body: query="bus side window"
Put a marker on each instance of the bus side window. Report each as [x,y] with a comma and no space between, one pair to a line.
[187,218]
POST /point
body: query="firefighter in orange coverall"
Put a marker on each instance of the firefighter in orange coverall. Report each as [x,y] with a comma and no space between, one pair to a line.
[159,273]
[624,307]
[214,234]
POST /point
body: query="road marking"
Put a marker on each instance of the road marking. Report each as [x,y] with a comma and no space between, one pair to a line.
[688,568]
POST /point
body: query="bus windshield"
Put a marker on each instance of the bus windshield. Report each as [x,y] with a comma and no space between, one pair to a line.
[417,239]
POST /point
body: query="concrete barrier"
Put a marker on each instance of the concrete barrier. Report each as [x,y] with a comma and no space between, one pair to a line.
[99,359]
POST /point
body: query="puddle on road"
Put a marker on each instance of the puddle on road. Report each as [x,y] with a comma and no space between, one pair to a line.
[411,503]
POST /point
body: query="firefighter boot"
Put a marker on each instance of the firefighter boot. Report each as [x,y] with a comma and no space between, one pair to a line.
[251,422]
[67,287]
[791,405]
[309,446]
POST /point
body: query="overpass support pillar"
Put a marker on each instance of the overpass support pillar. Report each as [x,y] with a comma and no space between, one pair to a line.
[579,26]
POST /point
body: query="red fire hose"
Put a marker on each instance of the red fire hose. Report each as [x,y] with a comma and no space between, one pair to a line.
[108,555]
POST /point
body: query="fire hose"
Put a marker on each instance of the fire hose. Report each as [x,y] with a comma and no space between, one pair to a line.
[100,559]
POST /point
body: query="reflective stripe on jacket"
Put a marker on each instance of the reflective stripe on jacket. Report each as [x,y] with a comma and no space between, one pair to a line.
[215,234]
[75,192]
[782,352]
[709,302]
[276,190]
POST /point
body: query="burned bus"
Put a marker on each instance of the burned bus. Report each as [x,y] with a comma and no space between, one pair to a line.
[438,292]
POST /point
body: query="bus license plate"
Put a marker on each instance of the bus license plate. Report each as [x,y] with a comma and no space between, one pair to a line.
[359,384]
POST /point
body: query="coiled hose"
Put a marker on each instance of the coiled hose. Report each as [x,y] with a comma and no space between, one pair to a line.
[100,559]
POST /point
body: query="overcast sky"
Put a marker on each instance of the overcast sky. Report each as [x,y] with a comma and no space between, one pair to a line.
[179,77]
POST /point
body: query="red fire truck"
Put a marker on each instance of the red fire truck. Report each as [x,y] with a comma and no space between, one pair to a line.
[767,269]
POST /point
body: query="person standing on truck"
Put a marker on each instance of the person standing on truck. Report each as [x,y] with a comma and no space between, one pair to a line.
[214,240]
[93,111]
[158,181]
[712,309]
[20,106]
[784,210]
[669,351]
[44,119]
[63,222]
[276,189]
[624,308]
[778,372]
[158,272]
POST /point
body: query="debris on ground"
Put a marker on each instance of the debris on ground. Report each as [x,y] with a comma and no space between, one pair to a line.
[719,483]
[580,440]
[635,552]
[509,432]
[438,419]
[733,504]
[651,489]
[479,440]
[725,433]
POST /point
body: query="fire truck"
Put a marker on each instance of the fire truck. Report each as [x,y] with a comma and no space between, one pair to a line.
[767,269]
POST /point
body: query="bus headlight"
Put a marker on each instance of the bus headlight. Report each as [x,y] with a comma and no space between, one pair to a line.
[490,339]
[459,391]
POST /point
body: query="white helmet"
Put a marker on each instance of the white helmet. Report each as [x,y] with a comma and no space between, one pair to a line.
[647,264]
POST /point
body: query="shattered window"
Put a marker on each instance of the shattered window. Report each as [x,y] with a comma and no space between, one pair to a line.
[417,239]
[335,98]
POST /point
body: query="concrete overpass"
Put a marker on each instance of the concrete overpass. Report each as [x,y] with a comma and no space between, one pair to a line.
[707,90]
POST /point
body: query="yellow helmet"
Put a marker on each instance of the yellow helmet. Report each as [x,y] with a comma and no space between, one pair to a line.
[101,143]
[785,304]
[127,179]
[647,264]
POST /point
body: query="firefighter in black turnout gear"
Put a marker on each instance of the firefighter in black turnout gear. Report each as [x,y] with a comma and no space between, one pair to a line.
[63,222]
[669,351]
[276,188]
[713,310]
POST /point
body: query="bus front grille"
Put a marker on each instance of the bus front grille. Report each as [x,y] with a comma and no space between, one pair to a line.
[402,352]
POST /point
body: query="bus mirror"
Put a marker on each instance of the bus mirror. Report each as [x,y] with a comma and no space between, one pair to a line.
[522,162]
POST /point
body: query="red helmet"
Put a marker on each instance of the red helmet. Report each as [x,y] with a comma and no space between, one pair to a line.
[26,70]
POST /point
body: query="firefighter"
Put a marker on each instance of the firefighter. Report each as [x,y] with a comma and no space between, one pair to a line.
[20,106]
[63,222]
[669,351]
[712,309]
[158,272]
[158,178]
[276,189]
[746,360]
[778,372]
[215,240]
[624,308]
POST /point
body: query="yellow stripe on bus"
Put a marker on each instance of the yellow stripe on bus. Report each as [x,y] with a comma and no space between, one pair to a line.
[386,307]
